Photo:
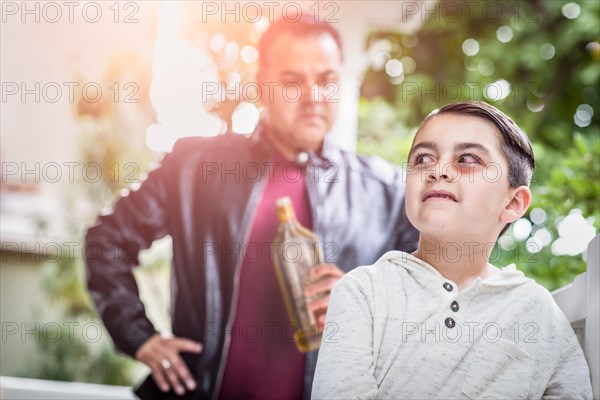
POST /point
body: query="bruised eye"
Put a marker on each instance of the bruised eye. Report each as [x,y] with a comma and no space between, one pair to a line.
[423,159]
[469,159]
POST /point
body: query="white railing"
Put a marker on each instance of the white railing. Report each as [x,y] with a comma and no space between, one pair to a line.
[580,302]
[12,388]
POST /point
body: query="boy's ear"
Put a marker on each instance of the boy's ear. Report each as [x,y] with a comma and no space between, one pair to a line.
[517,206]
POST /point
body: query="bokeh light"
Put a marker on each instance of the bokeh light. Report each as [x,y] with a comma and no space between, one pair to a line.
[521,229]
[244,118]
[394,68]
[504,34]
[470,47]
[537,216]
[571,10]
[583,115]
[574,235]
[547,51]
[497,91]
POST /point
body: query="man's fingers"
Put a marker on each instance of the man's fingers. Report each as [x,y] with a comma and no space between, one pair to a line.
[321,319]
[318,304]
[160,378]
[183,344]
[184,374]
[321,286]
[161,354]
[325,269]
[173,379]
[324,277]
[319,308]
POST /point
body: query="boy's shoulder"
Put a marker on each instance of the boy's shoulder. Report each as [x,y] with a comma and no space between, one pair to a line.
[534,297]
[516,280]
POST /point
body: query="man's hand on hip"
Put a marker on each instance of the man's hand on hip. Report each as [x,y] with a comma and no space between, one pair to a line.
[161,354]
[323,278]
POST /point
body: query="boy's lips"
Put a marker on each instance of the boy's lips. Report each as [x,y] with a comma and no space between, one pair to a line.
[439,195]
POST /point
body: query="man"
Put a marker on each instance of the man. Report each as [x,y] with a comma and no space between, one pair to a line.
[230,328]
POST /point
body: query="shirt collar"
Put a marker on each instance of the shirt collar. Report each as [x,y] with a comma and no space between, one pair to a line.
[506,277]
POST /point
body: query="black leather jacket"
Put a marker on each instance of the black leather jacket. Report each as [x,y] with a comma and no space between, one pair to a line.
[204,194]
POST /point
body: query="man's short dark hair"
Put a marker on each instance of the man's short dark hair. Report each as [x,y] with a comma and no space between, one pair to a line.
[307,25]
[515,144]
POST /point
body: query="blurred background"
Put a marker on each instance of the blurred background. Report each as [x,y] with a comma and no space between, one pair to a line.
[94,92]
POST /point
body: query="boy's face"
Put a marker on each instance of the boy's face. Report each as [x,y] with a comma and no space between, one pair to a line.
[457,180]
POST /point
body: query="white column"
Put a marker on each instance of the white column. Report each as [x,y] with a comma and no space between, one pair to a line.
[353,30]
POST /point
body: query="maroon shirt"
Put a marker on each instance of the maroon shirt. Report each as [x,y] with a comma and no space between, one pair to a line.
[263,361]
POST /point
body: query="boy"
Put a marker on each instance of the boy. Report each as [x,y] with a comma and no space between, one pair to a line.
[443,322]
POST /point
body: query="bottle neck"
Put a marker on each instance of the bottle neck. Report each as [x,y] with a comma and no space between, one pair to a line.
[286,215]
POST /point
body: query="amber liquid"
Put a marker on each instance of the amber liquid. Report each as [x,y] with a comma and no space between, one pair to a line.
[296,252]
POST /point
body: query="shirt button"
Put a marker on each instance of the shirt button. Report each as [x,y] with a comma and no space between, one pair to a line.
[448,286]
[454,306]
[302,158]
[450,323]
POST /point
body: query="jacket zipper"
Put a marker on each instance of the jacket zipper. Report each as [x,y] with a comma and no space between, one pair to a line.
[315,206]
[235,294]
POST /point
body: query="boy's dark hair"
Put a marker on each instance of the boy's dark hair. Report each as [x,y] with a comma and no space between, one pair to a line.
[307,25]
[515,144]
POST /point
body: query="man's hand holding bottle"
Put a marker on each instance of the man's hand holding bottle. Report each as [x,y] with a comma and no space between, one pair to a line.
[323,277]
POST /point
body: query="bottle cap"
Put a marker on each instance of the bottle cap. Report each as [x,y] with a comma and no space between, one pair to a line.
[283,201]
[285,210]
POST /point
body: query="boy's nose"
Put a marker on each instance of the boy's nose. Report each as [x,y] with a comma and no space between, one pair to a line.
[448,172]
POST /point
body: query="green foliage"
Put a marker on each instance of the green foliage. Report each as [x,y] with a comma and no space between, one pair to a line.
[65,356]
[545,92]
[64,284]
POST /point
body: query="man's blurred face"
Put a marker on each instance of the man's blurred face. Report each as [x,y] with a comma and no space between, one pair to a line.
[300,87]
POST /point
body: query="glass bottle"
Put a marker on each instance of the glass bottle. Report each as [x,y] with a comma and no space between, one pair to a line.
[296,252]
